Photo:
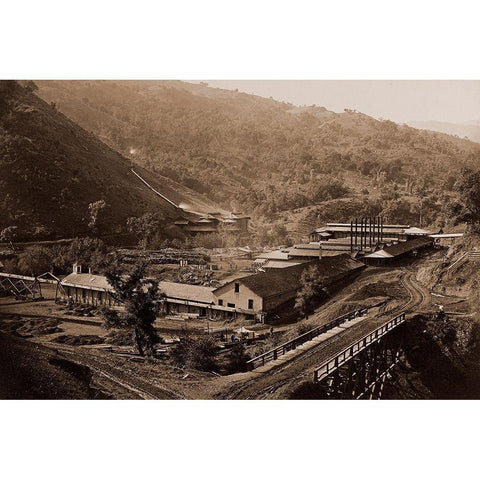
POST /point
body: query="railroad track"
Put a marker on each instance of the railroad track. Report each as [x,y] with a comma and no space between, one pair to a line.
[417,297]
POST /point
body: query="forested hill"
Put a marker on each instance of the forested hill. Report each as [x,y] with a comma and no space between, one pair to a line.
[57,179]
[262,156]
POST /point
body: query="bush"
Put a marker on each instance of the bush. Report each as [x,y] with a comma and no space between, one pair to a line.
[301,328]
[79,339]
[120,337]
[198,354]
[237,359]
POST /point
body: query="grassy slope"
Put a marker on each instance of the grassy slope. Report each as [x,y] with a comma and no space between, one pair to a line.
[52,169]
[246,151]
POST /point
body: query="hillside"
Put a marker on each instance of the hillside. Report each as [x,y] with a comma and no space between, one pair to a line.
[462,130]
[52,169]
[265,157]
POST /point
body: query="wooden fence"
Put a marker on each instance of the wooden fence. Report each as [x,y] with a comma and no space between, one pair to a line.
[301,339]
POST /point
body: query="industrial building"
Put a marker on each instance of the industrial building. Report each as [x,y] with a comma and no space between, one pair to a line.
[193,223]
[86,288]
[374,228]
[393,254]
[259,297]
[271,294]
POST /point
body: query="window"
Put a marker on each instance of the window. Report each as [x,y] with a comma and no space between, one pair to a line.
[237,287]
[231,305]
[220,301]
[250,304]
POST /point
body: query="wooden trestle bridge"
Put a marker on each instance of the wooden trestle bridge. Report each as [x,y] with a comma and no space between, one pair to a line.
[361,369]
[25,287]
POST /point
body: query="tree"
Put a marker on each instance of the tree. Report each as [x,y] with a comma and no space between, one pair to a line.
[468,187]
[35,260]
[310,290]
[84,250]
[145,228]
[237,360]
[8,234]
[197,353]
[94,210]
[141,298]
[30,86]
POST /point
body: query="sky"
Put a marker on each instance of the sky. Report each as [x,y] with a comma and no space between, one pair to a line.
[454,101]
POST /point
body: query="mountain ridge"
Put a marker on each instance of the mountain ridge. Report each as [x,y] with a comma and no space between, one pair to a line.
[53,169]
[255,154]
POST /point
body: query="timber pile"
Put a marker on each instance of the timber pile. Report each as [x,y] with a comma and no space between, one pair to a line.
[165,256]
[193,277]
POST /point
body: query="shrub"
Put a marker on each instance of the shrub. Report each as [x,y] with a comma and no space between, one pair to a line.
[237,359]
[196,353]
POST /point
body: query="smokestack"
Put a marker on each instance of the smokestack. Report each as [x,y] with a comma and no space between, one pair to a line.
[351,236]
[361,233]
[362,238]
[356,231]
[370,231]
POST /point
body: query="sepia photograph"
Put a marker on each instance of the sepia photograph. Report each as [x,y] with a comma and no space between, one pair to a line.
[226,230]
[198,240]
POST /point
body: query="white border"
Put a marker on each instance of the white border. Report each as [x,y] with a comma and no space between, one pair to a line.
[255,39]
[241,40]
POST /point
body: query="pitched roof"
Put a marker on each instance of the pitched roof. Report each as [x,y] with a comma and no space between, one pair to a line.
[446,235]
[401,248]
[87,280]
[408,246]
[280,263]
[274,255]
[283,280]
[380,254]
[416,231]
[183,291]
[304,252]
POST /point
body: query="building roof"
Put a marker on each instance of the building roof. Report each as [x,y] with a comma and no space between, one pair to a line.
[279,264]
[308,246]
[183,291]
[274,255]
[385,226]
[346,227]
[446,235]
[379,254]
[401,248]
[88,281]
[284,280]
[304,252]
[416,231]
[201,228]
